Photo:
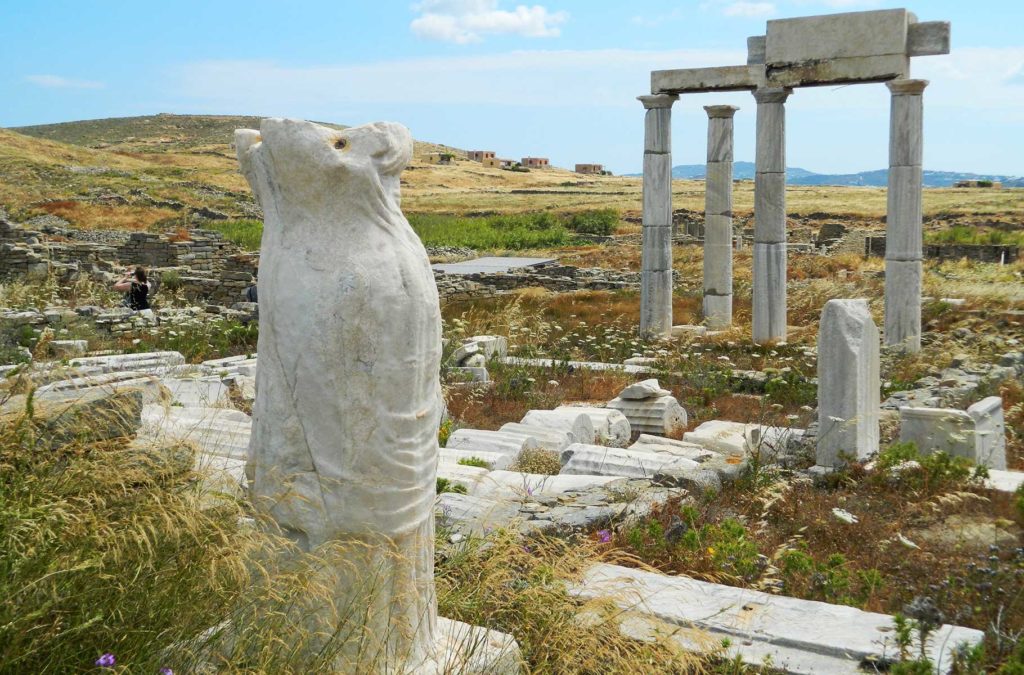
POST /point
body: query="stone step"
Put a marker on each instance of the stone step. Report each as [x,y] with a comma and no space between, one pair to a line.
[596,460]
[660,415]
[610,426]
[799,636]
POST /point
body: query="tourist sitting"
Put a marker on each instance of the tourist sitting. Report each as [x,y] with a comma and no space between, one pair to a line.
[135,289]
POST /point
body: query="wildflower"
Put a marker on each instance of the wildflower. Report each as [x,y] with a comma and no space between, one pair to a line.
[604,536]
[106,661]
[711,550]
[166,671]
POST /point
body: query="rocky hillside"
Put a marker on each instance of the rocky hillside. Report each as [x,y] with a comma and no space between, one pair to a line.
[166,171]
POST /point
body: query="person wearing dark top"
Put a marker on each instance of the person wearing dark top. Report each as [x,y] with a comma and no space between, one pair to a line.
[135,289]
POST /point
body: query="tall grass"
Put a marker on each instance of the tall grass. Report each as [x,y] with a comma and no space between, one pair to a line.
[511,232]
[502,232]
[247,233]
[961,234]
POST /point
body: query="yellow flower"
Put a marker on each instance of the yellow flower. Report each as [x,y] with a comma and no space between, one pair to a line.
[711,550]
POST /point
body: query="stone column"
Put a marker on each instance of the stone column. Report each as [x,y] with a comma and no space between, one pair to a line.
[656,275]
[718,218]
[848,383]
[903,245]
[769,320]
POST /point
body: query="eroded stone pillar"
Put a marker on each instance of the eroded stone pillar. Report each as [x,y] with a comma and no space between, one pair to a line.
[718,218]
[848,383]
[769,311]
[903,245]
[656,275]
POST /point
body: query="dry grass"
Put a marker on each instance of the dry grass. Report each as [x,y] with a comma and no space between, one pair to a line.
[199,152]
[520,587]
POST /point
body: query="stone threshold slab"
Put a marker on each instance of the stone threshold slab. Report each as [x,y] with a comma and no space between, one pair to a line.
[492,265]
[798,636]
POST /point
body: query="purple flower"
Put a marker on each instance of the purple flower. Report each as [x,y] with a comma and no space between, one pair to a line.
[604,536]
[166,671]
[106,661]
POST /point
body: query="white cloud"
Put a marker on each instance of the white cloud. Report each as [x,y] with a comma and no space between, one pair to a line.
[657,20]
[58,82]
[749,10]
[466,21]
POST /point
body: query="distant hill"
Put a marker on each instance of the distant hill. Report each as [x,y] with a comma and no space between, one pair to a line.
[876,178]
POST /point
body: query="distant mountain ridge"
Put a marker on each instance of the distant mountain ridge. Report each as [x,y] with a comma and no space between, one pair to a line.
[876,178]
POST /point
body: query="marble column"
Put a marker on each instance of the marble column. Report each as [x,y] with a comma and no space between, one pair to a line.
[769,311]
[903,244]
[718,218]
[656,275]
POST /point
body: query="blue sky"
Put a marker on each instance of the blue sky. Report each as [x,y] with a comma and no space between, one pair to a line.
[556,78]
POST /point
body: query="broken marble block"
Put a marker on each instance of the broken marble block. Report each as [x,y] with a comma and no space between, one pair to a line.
[498,442]
[658,444]
[848,383]
[801,637]
[547,439]
[643,390]
[721,436]
[68,348]
[979,433]
[597,460]
[610,426]
[570,421]
[661,415]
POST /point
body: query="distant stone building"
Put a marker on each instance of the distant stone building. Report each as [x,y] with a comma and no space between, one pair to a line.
[596,169]
[535,162]
[480,155]
[440,158]
[498,162]
[978,184]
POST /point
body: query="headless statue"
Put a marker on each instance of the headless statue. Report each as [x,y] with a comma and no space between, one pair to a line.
[344,443]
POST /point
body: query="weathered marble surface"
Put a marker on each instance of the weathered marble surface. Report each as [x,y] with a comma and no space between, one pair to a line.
[979,433]
[848,383]
[344,445]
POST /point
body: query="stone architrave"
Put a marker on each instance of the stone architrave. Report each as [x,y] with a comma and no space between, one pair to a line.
[848,383]
[769,301]
[344,445]
[656,257]
[903,229]
[718,218]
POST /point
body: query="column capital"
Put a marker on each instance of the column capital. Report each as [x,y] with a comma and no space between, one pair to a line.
[906,87]
[772,94]
[724,111]
[650,101]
